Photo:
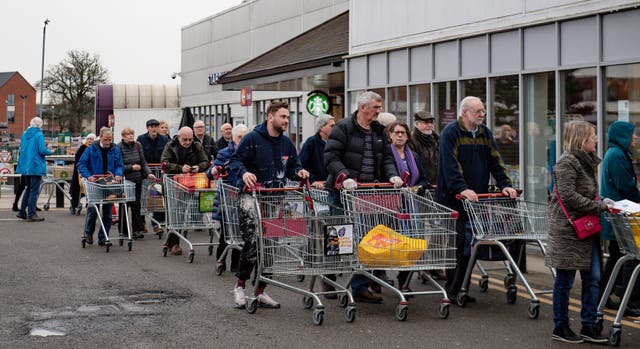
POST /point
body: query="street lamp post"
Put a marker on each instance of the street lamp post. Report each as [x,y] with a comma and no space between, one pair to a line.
[44,35]
[24,116]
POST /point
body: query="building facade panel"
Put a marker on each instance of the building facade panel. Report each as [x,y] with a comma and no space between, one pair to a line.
[446,60]
[540,47]
[475,56]
[505,52]
[576,41]
[357,72]
[399,67]
[377,69]
[421,60]
[616,45]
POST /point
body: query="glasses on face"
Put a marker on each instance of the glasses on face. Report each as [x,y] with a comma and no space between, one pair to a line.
[198,127]
[186,139]
[400,133]
[479,111]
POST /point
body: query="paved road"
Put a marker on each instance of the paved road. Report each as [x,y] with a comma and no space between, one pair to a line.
[140,299]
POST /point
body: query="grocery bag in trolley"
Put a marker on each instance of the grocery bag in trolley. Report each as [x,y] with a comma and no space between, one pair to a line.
[384,247]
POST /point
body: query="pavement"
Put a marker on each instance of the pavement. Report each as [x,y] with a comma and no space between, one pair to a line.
[56,294]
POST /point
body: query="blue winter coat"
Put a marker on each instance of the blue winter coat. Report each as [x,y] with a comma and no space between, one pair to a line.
[31,161]
[618,179]
[312,158]
[153,148]
[271,159]
[91,161]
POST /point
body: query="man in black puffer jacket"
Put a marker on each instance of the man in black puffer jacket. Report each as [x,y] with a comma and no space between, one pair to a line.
[358,150]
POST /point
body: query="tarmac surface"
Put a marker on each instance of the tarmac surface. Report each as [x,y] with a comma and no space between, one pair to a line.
[55,294]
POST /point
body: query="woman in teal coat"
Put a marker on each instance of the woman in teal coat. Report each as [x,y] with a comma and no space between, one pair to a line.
[619,182]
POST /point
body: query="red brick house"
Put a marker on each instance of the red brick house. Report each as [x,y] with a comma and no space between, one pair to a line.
[17,103]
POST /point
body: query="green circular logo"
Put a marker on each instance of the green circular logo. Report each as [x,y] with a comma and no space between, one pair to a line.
[318,103]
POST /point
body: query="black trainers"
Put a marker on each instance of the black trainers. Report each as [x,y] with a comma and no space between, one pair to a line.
[564,334]
[589,334]
[35,218]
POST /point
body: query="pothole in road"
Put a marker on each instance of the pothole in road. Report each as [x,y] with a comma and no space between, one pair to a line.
[107,314]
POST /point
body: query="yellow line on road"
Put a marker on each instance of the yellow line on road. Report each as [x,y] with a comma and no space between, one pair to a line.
[546,299]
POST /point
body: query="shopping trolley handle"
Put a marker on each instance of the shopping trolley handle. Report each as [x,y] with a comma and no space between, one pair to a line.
[489,195]
[614,210]
[258,188]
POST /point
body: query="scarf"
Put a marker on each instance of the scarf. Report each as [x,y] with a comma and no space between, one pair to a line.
[410,166]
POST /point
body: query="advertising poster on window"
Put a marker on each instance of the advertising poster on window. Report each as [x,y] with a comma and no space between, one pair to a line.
[338,240]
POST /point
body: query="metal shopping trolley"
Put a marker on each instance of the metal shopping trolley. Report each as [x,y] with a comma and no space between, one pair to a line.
[294,240]
[396,229]
[107,191]
[627,231]
[229,196]
[152,198]
[188,208]
[495,220]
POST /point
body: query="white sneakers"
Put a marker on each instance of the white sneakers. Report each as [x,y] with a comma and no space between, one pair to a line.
[267,302]
[238,296]
[264,300]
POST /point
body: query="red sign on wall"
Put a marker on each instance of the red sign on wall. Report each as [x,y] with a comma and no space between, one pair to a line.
[245,96]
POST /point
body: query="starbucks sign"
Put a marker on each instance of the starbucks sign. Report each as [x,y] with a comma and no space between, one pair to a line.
[318,103]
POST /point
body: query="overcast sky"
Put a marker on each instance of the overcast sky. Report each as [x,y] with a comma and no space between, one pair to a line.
[138,40]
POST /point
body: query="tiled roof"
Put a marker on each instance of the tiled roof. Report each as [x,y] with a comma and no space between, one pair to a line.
[5,76]
[321,45]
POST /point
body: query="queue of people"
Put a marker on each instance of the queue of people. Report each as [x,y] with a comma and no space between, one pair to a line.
[461,161]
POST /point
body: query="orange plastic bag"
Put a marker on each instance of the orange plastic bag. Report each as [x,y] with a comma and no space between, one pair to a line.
[193,180]
[383,247]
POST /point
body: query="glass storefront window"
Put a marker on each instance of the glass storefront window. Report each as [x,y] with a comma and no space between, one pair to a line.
[540,135]
[474,87]
[420,99]
[579,95]
[353,101]
[623,99]
[398,102]
[445,103]
[506,123]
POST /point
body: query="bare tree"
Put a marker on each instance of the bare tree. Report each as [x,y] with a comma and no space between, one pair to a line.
[71,84]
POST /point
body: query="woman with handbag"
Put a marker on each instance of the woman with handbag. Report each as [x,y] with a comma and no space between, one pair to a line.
[569,248]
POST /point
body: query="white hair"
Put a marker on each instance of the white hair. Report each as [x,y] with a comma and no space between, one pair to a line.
[386,118]
[238,128]
[36,122]
[323,120]
[106,131]
[465,102]
[366,98]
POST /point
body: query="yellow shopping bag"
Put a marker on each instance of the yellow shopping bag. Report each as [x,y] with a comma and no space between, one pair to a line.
[635,228]
[383,247]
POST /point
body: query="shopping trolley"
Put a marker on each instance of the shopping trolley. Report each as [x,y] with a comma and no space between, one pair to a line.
[627,231]
[188,208]
[100,193]
[49,186]
[152,198]
[294,241]
[229,196]
[495,219]
[382,215]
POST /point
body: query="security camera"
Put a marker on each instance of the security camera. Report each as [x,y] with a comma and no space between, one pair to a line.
[174,75]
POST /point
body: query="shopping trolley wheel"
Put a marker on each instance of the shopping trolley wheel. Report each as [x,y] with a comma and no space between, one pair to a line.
[252,305]
[220,268]
[343,300]
[509,280]
[461,299]
[129,245]
[483,283]
[191,255]
[598,325]
[443,310]
[159,235]
[533,310]
[46,207]
[300,278]
[107,247]
[318,316]
[350,314]
[512,295]
[78,210]
[164,251]
[121,241]
[185,234]
[84,242]
[402,312]
[210,250]
[307,302]
[615,336]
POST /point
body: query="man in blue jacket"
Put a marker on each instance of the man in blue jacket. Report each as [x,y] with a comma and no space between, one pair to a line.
[267,157]
[468,158]
[100,158]
[32,165]
[619,182]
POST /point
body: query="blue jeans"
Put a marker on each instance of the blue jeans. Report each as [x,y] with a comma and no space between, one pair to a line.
[30,197]
[92,215]
[590,290]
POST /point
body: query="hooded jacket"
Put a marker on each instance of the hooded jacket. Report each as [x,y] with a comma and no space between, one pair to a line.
[312,158]
[270,159]
[194,156]
[91,161]
[618,179]
[32,152]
